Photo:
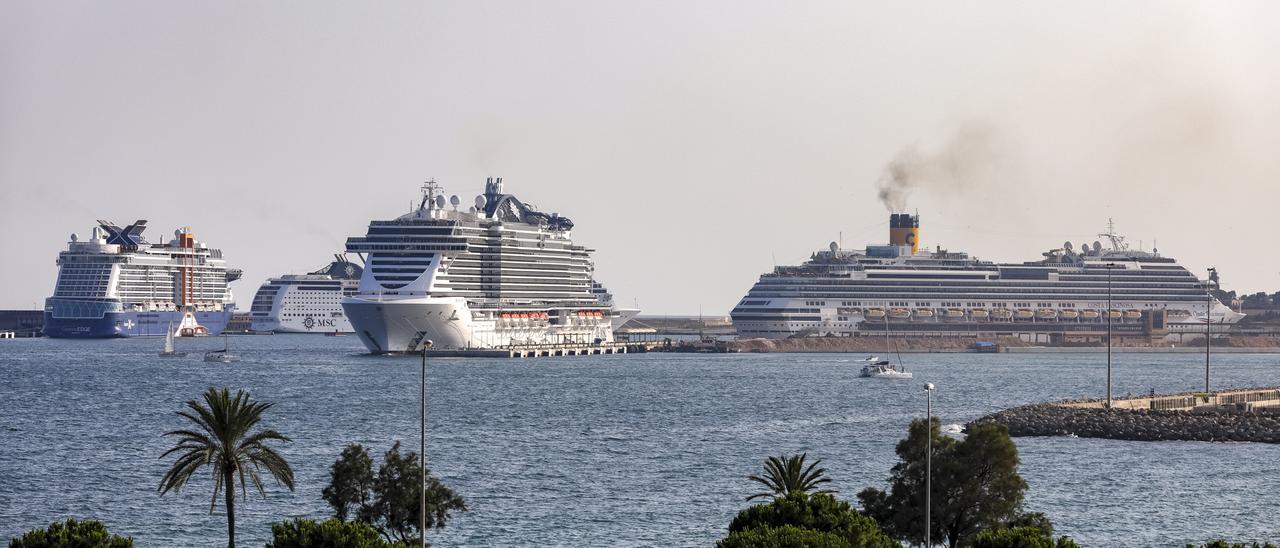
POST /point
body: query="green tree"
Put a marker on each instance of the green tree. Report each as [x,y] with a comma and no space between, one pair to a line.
[71,534]
[784,475]
[350,482]
[388,501]
[819,512]
[1020,537]
[976,485]
[225,440]
[331,533]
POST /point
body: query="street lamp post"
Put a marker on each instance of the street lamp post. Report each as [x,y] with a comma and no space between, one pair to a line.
[422,454]
[1208,322]
[1109,267]
[928,464]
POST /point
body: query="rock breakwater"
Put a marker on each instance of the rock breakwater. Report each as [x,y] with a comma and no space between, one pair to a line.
[1055,419]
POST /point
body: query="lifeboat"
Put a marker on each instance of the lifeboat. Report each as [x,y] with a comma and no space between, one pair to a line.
[1132,314]
[875,313]
[1002,313]
[1090,314]
[979,314]
[924,313]
[899,313]
[1068,314]
[1024,314]
[1115,314]
[954,313]
[1046,314]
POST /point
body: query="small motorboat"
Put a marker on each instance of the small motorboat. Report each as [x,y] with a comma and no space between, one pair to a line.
[871,359]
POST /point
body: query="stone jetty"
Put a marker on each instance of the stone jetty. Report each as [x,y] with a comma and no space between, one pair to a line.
[1239,415]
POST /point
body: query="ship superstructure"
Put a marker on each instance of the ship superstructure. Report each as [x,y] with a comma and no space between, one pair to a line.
[116,284]
[840,292]
[496,274]
[306,303]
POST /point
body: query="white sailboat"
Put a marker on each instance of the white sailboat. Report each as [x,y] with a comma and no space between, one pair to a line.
[221,356]
[883,369]
[168,351]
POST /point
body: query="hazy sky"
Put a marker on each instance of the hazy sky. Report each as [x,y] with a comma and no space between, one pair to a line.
[693,143]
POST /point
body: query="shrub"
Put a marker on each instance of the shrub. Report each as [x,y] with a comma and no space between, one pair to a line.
[72,534]
[787,536]
[820,513]
[1020,537]
[332,533]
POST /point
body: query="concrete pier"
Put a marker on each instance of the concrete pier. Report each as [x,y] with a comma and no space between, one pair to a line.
[1251,415]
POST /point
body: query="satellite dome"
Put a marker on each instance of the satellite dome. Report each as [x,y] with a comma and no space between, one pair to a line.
[480,202]
[440,201]
[75,237]
[454,200]
[834,247]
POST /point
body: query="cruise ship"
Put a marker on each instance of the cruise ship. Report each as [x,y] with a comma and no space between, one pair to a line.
[840,292]
[116,284]
[499,273]
[306,303]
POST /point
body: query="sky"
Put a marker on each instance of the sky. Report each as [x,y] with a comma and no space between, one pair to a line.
[694,144]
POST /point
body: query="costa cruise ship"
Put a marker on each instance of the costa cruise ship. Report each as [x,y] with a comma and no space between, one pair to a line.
[840,292]
[499,273]
[116,284]
[306,303]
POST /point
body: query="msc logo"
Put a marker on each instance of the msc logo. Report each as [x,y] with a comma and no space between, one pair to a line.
[911,238]
[311,323]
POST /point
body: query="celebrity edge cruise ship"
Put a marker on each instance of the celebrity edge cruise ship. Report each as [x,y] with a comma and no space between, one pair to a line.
[902,287]
[500,273]
[306,303]
[117,284]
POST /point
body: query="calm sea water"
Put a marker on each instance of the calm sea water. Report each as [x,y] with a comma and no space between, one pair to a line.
[640,450]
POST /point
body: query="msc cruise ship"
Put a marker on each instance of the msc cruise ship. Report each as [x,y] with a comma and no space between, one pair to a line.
[307,303]
[839,292]
[495,274]
[117,284]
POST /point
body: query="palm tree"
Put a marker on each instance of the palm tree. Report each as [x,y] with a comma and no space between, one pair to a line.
[224,442]
[785,475]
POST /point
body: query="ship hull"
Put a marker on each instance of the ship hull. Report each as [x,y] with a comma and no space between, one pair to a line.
[401,325]
[397,326]
[129,324]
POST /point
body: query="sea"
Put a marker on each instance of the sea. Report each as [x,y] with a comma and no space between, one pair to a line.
[626,450]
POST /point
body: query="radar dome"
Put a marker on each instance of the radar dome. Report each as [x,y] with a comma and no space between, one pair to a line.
[480,202]
[834,247]
[440,201]
[1066,245]
[455,200]
[75,237]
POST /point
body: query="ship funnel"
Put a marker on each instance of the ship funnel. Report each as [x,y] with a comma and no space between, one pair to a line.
[904,230]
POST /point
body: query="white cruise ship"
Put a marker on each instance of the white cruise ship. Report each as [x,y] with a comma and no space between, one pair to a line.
[497,274]
[900,286]
[306,303]
[117,284]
